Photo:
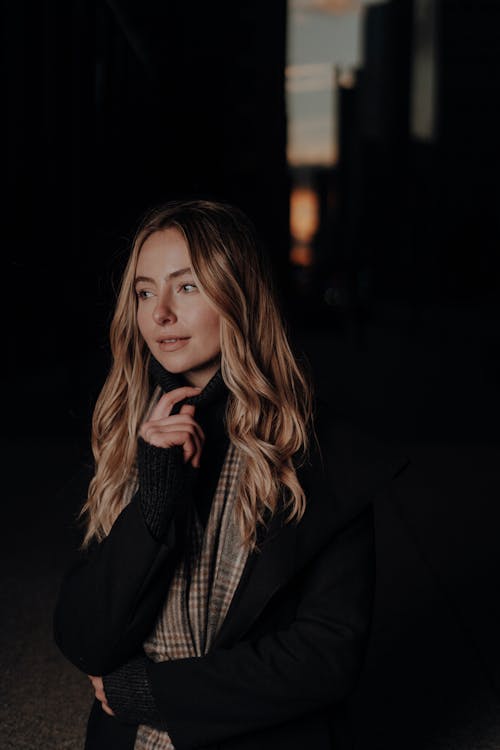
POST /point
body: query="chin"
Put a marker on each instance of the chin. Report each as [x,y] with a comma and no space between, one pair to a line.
[178,362]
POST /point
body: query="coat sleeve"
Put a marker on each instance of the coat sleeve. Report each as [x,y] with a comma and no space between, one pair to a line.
[111,594]
[281,675]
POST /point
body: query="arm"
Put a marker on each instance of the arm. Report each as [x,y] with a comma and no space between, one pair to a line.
[272,678]
[109,598]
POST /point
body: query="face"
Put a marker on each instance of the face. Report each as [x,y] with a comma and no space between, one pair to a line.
[171,305]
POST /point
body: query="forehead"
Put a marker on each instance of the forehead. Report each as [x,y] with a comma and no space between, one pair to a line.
[166,249]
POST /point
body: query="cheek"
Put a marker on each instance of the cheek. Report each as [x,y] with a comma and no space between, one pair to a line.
[215,323]
[210,324]
[215,326]
[142,323]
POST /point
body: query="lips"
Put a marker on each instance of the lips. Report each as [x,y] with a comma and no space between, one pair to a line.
[171,338]
[168,346]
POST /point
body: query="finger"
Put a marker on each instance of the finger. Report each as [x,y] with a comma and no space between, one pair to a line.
[175,422]
[190,442]
[181,426]
[107,709]
[166,402]
[190,448]
[101,695]
[166,438]
[195,457]
[199,442]
[187,419]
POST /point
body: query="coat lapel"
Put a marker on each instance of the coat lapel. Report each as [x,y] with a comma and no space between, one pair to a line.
[264,573]
[355,470]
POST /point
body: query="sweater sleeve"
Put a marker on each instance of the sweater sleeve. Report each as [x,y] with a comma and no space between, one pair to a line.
[129,690]
[111,594]
[272,678]
[162,479]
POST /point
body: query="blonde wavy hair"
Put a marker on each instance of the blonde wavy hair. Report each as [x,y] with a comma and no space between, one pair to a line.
[270,402]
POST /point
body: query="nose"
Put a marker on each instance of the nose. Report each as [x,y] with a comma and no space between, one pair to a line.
[163,313]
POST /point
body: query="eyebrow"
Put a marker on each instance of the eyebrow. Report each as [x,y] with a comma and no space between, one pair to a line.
[173,275]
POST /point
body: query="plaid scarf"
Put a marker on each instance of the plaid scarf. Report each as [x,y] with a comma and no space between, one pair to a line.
[201,589]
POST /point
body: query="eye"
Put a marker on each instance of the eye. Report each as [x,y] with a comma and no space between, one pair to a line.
[185,285]
[141,293]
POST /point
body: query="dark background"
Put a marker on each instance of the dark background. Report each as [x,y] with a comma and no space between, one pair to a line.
[110,107]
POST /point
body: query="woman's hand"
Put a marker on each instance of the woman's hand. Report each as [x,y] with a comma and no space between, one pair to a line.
[165,430]
[100,694]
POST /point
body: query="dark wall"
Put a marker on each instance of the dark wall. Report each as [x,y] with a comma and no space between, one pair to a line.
[112,107]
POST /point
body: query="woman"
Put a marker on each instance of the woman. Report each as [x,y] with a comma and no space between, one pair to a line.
[223,594]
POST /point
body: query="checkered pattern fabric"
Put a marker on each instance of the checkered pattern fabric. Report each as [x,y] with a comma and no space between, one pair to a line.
[201,589]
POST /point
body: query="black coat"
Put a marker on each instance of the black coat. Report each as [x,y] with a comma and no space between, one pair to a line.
[292,646]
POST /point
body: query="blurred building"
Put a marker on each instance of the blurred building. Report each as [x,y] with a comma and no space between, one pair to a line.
[409,205]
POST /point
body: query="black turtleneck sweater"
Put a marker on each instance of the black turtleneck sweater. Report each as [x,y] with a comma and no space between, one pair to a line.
[165,482]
